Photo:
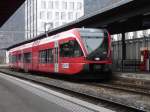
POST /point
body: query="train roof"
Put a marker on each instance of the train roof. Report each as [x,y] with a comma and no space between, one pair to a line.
[44,36]
[39,37]
[90,30]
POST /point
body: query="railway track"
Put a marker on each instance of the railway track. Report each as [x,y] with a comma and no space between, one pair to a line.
[125,87]
[113,96]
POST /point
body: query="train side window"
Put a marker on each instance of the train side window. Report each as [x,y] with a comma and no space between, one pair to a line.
[10,58]
[49,55]
[42,56]
[70,49]
[27,57]
[13,58]
[46,56]
[77,51]
[19,57]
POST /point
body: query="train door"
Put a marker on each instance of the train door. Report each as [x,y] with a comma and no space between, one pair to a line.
[22,57]
[56,57]
[35,56]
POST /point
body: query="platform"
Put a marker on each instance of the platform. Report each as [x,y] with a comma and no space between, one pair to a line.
[139,76]
[138,79]
[22,96]
[4,65]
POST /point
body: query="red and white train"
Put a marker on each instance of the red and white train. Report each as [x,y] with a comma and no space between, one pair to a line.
[68,53]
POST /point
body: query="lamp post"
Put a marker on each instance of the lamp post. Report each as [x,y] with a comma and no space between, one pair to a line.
[45,27]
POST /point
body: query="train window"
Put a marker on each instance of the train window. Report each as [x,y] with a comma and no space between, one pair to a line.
[46,56]
[94,39]
[49,55]
[12,58]
[70,49]
[19,57]
[27,57]
[42,56]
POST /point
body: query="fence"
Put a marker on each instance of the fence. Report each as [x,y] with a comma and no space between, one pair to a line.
[133,54]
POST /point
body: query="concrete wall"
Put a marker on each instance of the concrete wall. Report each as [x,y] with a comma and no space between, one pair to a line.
[12,32]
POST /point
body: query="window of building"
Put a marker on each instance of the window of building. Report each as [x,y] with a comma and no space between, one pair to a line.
[56,5]
[49,15]
[79,5]
[77,14]
[70,49]
[42,14]
[50,5]
[49,26]
[56,24]
[70,15]
[71,5]
[57,15]
[64,5]
[43,4]
[43,25]
[27,57]
[63,23]
[46,56]
[63,15]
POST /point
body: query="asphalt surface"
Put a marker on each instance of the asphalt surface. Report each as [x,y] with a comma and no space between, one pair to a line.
[16,99]
[17,96]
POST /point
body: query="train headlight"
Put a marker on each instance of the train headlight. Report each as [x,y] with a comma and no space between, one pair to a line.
[104,52]
[97,59]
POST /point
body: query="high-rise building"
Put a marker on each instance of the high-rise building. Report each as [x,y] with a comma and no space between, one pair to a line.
[41,15]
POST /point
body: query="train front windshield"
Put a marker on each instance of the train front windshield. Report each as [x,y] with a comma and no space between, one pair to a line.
[95,41]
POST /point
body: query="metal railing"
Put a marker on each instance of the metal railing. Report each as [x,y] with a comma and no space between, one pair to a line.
[128,65]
